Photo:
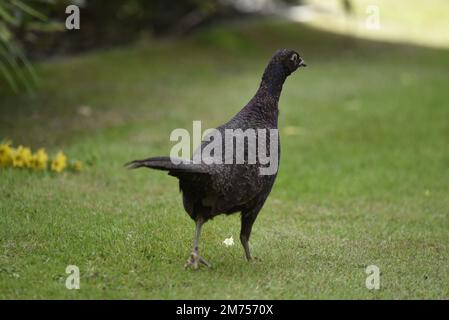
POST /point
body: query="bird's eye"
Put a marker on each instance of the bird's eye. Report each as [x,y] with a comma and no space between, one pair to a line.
[294,57]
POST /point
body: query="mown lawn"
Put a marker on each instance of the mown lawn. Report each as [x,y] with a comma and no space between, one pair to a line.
[364,174]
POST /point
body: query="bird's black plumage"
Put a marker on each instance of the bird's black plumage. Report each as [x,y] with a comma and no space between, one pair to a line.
[212,189]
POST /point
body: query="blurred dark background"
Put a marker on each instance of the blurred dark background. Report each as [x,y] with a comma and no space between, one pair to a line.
[40,28]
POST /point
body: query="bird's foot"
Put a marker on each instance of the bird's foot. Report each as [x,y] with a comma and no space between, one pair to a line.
[253,259]
[194,261]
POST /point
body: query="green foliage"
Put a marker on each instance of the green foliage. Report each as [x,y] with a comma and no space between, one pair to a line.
[14,66]
[104,23]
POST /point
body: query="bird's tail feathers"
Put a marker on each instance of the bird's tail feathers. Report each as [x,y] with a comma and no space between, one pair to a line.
[168,164]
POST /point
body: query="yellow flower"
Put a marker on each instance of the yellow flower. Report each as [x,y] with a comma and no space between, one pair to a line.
[22,157]
[59,163]
[40,160]
[6,153]
[77,165]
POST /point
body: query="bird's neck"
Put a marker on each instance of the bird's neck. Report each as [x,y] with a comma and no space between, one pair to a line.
[271,84]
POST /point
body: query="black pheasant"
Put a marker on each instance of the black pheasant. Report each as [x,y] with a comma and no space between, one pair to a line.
[226,185]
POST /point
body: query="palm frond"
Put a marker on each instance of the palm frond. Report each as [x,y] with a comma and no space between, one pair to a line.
[29,10]
[15,68]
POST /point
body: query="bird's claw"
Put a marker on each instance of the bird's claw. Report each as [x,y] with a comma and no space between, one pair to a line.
[194,260]
[207,264]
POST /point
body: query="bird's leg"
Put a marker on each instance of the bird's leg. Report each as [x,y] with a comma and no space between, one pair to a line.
[245,232]
[244,240]
[195,257]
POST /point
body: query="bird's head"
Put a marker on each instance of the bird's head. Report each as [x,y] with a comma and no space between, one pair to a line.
[289,59]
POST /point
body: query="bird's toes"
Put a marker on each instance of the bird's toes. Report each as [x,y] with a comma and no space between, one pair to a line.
[203,261]
[190,264]
[192,261]
[254,259]
[195,260]
[187,264]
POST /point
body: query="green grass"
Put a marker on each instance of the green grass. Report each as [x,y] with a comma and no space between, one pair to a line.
[363,178]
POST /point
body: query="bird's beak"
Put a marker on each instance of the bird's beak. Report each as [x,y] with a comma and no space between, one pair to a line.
[302,64]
